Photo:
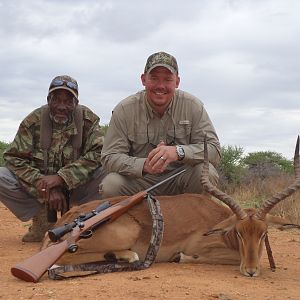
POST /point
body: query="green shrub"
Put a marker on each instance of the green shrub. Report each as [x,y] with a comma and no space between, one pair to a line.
[104,129]
[263,164]
[231,168]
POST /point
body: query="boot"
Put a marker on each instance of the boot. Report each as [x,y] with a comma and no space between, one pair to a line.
[39,227]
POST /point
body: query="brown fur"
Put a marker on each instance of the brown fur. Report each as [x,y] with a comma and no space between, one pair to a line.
[187,218]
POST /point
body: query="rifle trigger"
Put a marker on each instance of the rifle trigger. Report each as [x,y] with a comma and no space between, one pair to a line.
[87,234]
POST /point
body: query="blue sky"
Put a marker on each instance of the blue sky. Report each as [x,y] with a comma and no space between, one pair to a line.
[241,58]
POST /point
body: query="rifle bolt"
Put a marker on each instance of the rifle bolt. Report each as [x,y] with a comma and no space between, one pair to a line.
[81,225]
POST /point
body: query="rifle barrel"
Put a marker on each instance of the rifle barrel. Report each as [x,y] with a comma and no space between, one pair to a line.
[181,170]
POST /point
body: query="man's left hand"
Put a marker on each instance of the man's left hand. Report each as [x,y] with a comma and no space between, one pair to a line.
[57,200]
[160,157]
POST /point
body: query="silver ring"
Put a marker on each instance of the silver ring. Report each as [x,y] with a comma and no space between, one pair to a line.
[162,158]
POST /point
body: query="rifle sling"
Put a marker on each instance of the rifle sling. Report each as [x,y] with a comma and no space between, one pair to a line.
[56,272]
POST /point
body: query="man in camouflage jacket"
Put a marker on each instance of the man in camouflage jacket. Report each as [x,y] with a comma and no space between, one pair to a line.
[55,157]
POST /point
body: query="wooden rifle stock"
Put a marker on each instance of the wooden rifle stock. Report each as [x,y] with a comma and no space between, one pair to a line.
[33,268]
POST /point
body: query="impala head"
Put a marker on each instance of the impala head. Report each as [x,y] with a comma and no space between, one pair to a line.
[250,233]
[248,226]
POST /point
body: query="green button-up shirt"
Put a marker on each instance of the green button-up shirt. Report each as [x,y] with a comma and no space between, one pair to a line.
[135,129]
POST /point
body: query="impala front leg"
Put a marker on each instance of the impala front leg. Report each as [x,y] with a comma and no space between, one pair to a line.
[180,257]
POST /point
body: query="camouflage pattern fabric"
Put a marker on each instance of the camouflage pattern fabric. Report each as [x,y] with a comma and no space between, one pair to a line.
[64,82]
[24,157]
[162,59]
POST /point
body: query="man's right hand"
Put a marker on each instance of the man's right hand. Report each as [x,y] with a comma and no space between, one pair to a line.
[48,182]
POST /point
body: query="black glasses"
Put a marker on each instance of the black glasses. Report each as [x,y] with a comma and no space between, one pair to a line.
[59,82]
[171,143]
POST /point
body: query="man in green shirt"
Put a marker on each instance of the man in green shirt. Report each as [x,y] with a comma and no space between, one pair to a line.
[55,157]
[155,131]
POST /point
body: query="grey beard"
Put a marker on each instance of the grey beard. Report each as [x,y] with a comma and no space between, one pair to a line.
[59,121]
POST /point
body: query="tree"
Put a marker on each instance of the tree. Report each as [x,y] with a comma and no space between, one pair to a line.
[267,163]
[231,167]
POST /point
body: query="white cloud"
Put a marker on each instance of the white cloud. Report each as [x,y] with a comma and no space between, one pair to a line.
[239,57]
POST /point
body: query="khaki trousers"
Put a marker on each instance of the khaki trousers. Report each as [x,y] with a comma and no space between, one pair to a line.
[24,206]
[115,184]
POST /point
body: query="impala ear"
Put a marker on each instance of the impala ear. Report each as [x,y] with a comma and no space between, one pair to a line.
[222,227]
[288,226]
[280,222]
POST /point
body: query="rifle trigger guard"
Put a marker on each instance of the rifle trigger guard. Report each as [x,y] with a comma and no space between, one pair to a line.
[87,234]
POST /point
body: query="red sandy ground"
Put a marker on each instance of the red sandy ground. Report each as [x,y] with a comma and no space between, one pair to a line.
[161,281]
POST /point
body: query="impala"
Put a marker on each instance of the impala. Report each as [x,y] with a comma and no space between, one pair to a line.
[197,229]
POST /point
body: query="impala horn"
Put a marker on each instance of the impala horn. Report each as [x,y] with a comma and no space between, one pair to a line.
[271,202]
[211,189]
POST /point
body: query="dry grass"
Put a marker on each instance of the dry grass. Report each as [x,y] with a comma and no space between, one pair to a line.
[254,193]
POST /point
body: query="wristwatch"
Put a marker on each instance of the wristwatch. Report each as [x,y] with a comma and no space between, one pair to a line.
[180,152]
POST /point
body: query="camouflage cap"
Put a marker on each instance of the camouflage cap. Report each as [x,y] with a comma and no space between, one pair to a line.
[64,82]
[161,59]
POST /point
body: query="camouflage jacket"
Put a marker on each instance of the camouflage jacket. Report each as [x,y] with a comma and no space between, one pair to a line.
[24,157]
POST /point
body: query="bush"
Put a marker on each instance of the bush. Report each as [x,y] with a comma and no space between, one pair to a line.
[104,129]
[264,164]
[231,169]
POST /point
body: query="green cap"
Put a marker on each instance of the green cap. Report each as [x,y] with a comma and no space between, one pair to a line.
[64,82]
[161,59]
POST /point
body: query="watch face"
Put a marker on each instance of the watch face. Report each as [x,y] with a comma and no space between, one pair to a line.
[180,151]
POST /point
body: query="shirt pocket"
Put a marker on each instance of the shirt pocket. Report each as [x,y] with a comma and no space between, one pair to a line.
[182,134]
[67,156]
[140,145]
[38,160]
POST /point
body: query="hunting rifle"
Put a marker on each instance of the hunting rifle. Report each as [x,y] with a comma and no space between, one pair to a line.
[33,268]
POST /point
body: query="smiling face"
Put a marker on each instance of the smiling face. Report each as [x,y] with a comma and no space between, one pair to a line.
[62,104]
[160,85]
